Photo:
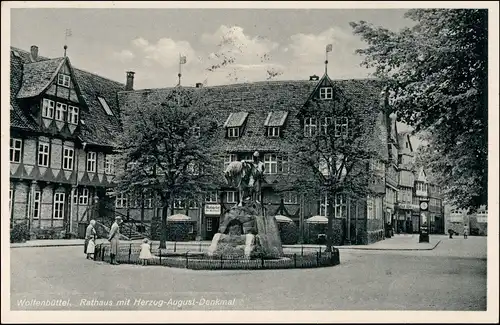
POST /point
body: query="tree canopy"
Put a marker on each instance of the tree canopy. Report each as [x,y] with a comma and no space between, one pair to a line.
[165,149]
[334,152]
[438,76]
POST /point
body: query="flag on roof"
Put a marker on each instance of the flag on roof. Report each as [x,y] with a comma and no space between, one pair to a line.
[329,47]
[183,60]
[68,32]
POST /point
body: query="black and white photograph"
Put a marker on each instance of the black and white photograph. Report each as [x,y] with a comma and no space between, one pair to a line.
[242,158]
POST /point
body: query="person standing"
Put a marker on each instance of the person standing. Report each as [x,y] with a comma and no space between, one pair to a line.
[145,254]
[90,233]
[465,231]
[114,239]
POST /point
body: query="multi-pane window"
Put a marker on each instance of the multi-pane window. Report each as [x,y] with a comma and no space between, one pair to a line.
[179,204]
[60,110]
[231,197]
[91,161]
[370,213]
[148,201]
[73,114]
[109,165]
[323,205]
[68,154]
[209,224]
[326,93]
[290,198]
[83,198]
[326,122]
[273,131]
[228,159]
[340,206]
[270,164]
[341,126]
[59,205]
[48,108]
[63,80]
[310,126]
[193,204]
[196,131]
[211,197]
[43,154]
[36,205]
[284,167]
[15,150]
[121,200]
[233,132]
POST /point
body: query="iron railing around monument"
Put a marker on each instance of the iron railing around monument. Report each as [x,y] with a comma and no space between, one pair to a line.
[129,254]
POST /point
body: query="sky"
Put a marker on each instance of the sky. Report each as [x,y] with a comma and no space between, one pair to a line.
[285,44]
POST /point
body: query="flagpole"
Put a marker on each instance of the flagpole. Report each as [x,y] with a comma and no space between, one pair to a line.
[326,61]
[179,75]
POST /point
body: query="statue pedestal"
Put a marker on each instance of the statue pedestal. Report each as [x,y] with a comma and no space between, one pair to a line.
[245,233]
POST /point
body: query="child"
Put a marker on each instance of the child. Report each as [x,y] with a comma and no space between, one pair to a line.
[145,254]
[465,231]
[91,248]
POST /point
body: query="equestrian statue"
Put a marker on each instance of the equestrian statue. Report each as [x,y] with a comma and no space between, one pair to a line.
[247,177]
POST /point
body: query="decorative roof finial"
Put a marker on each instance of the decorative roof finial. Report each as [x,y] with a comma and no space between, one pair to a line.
[65,48]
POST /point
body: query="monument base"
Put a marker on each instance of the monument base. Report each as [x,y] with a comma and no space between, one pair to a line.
[246,232]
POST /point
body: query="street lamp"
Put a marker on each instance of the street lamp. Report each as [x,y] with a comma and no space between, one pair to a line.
[424,226]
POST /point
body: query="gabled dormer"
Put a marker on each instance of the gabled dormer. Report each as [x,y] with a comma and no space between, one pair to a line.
[324,110]
[50,92]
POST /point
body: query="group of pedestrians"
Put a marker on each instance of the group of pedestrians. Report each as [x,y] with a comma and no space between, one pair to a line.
[114,240]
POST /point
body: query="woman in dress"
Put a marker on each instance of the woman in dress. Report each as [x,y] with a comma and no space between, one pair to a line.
[145,254]
[91,247]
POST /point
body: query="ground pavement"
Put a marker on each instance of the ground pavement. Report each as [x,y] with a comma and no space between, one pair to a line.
[397,242]
[451,276]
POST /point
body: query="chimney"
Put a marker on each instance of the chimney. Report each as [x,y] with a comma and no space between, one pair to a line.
[313,78]
[130,81]
[34,53]
[199,85]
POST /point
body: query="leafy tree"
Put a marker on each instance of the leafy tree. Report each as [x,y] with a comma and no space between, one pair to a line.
[165,150]
[337,155]
[438,74]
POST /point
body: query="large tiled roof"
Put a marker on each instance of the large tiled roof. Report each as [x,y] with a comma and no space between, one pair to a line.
[28,79]
[37,76]
[258,99]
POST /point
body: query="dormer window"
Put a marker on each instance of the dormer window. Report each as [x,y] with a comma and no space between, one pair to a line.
[48,108]
[105,105]
[234,124]
[73,114]
[63,80]
[273,131]
[233,132]
[60,110]
[274,122]
[326,93]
